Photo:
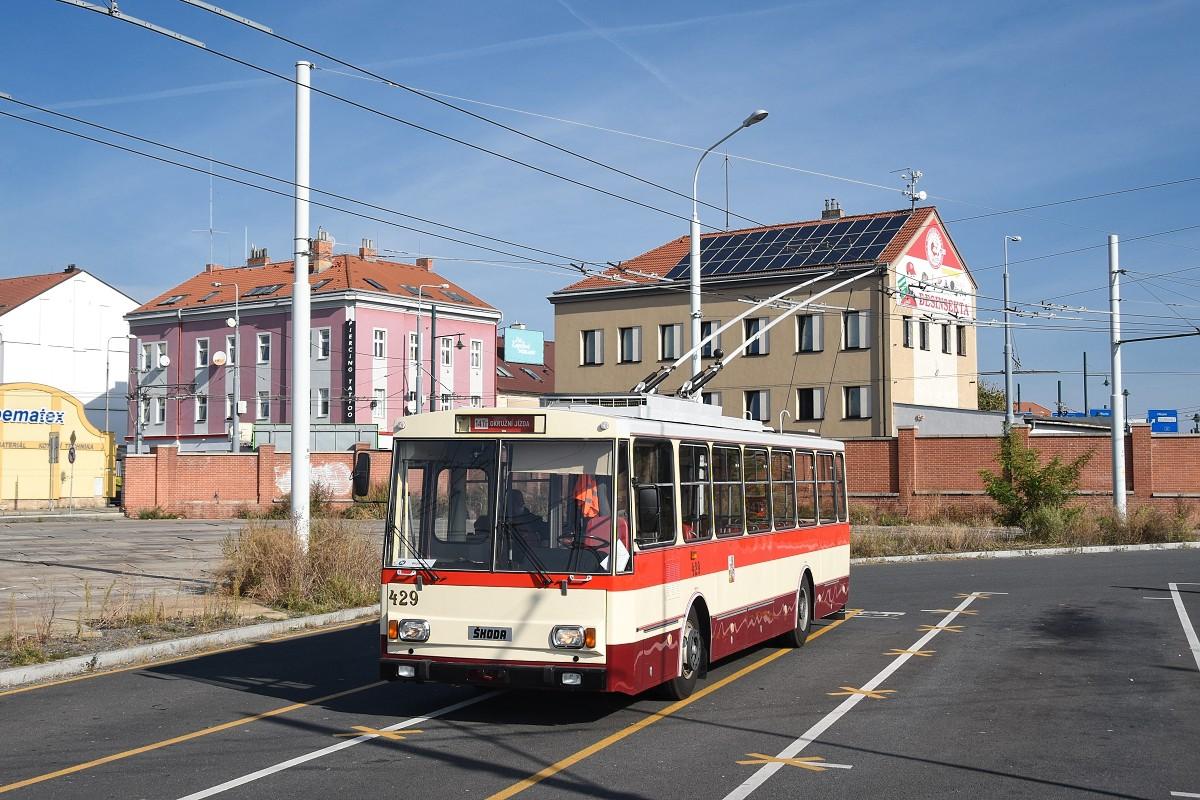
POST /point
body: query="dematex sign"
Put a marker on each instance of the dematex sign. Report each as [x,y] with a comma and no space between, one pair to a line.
[33,416]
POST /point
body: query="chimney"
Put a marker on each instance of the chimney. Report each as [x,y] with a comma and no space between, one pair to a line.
[258,257]
[425,263]
[321,252]
[213,268]
[367,249]
[71,268]
[833,209]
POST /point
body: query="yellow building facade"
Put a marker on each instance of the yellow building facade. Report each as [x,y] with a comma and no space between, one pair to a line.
[50,455]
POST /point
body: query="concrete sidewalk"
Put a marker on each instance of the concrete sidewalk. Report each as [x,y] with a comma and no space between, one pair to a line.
[45,566]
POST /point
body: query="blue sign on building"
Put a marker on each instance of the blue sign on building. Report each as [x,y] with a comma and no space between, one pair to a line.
[1163,420]
[1100,412]
[524,346]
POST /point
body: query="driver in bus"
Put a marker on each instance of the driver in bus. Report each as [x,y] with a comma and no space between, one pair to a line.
[597,528]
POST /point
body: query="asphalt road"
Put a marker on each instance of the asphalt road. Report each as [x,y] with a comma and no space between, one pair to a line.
[1073,677]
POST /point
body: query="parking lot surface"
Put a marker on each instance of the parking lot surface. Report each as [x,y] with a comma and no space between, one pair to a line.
[1068,676]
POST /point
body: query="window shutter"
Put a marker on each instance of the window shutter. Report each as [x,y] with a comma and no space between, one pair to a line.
[818,331]
[637,343]
[864,401]
[818,399]
[864,328]
[600,346]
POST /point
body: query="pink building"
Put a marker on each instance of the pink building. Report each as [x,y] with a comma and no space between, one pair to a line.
[364,352]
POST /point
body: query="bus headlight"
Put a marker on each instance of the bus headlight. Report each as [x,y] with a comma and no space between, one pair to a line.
[573,637]
[413,630]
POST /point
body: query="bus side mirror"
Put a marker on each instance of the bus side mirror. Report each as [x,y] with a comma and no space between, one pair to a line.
[647,509]
[362,474]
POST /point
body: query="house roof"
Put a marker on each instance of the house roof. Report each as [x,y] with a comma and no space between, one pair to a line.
[347,272]
[653,265]
[541,381]
[15,291]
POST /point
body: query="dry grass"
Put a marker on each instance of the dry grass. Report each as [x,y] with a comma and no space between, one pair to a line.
[266,563]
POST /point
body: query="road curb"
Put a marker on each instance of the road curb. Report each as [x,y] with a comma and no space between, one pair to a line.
[1031,551]
[98,662]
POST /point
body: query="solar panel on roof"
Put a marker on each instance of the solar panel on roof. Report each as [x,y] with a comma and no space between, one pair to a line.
[804,246]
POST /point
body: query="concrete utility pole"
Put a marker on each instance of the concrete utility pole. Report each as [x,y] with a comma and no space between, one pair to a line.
[1117,401]
[301,316]
[1009,417]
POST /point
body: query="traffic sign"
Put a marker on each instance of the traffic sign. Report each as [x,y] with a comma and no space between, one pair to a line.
[1163,420]
[1100,412]
[71,454]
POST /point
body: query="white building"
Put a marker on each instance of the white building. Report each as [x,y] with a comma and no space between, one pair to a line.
[55,329]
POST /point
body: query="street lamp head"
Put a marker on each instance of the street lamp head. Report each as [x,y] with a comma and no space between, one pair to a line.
[755,118]
[443,286]
[217,284]
[1013,238]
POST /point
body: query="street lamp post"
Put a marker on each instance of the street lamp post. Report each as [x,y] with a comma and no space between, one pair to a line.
[753,119]
[420,290]
[235,442]
[1008,377]
[107,370]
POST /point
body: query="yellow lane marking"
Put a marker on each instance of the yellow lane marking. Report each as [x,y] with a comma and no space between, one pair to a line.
[649,720]
[192,657]
[966,612]
[874,694]
[395,736]
[951,628]
[811,763]
[146,748]
[897,652]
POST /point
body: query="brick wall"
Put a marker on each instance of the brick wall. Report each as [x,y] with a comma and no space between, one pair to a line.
[220,485]
[926,473]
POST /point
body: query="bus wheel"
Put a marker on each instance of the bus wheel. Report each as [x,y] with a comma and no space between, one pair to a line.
[799,635]
[693,660]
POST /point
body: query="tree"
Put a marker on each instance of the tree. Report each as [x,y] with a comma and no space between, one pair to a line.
[1030,495]
[991,398]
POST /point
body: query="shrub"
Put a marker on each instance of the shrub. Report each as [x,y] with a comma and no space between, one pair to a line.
[158,512]
[1032,495]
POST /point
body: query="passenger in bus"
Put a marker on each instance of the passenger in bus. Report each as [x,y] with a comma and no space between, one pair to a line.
[526,523]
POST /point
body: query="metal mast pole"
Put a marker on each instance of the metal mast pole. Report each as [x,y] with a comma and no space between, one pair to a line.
[301,316]
[1117,401]
[1087,410]
[235,446]
[1009,418]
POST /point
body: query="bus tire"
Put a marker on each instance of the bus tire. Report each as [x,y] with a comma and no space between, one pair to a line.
[797,636]
[695,650]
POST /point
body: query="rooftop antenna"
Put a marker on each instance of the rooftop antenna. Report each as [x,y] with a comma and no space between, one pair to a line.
[912,176]
[209,230]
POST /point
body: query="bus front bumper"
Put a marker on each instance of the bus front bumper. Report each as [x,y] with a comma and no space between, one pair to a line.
[515,676]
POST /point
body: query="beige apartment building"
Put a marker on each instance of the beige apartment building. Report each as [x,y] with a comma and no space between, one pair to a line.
[902,332]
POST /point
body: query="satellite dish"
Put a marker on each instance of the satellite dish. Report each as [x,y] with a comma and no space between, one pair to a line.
[921,195]
[219,358]
[164,361]
[230,322]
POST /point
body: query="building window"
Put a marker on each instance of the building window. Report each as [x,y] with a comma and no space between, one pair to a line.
[670,341]
[809,333]
[160,410]
[201,353]
[379,405]
[758,404]
[379,343]
[414,352]
[447,351]
[858,402]
[445,402]
[707,328]
[629,345]
[322,403]
[476,401]
[146,358]
[711,398]
[323,340]
[923,330]
[144,410]
[476,354]
[229,406]
[810,403]
[857,330]
[201,408]
[264,348]
[264,405]
[946,338]
[231,354]
[761,345]
[160,352]
[961,330]
[591,347]
[502,372]
[906,331]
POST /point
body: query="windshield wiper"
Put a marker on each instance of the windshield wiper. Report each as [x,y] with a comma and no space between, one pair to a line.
[538,568]
[434,577]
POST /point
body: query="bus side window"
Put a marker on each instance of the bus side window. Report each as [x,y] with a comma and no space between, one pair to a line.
[806,488]
[758,491]
[783,490]
[695,493]
[654,468]
[622,505]
[826,489]
[727,488]
[842,491]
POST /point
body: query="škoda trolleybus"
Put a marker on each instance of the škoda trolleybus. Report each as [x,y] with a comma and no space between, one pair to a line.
[604,543]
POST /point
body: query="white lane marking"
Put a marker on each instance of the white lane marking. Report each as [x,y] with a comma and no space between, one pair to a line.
[879,614]
[795,748]
[1158,598]
[1188,630]
[333,748]
[1184,794]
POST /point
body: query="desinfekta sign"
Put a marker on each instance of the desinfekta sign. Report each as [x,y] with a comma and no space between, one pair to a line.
[33,416]
[931,279]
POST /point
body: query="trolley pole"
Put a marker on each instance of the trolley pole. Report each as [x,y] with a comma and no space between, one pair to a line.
[1117,401]
[301,315]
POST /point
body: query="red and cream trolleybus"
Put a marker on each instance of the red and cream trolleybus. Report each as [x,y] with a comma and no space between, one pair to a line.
[610,543]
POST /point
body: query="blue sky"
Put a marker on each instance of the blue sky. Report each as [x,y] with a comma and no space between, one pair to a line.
[1001,105]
